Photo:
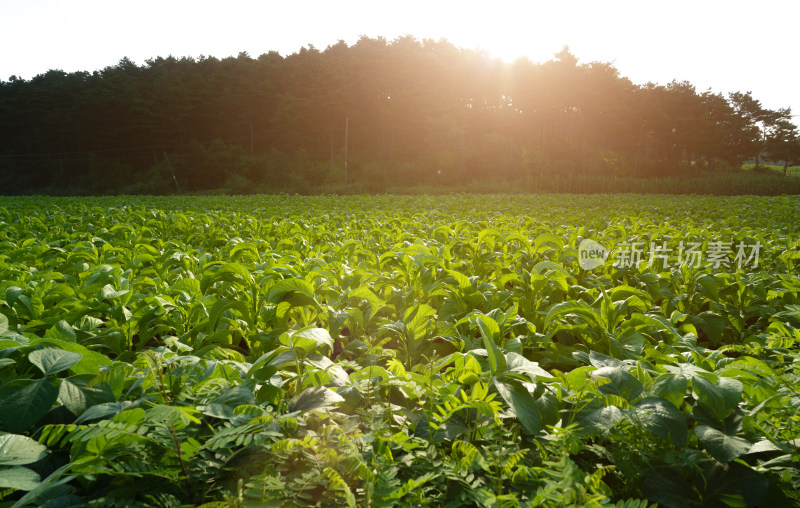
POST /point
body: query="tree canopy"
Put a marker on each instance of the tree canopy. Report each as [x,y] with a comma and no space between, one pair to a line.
[419,112]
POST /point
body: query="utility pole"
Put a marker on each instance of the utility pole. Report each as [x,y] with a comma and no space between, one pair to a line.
[333,156]
[346,132]
[252,138]
[173,173]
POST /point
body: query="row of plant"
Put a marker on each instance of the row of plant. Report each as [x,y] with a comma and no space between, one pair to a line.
[397,351]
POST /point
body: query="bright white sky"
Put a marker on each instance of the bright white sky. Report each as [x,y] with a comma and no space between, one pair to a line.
[725,45]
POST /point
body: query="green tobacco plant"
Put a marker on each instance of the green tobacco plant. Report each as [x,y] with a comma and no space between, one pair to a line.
[397,351]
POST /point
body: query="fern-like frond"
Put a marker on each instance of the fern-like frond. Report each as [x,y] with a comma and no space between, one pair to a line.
[469,455]
[255,434]
[338,484]
[510,462]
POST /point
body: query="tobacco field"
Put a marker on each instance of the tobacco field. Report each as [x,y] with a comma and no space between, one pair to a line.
[399,351]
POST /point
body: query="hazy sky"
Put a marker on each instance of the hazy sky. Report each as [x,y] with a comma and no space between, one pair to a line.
[727,46]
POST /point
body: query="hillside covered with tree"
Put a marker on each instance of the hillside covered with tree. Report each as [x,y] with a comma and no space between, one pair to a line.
[417,112]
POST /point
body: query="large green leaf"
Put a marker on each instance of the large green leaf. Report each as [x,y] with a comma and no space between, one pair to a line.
[309,340]
[75,394]
[315,398]
[655,323]
[90,361]
[332,373]
[548,406]
[516,363]
[52,361]
[20,478]
[671,387]
[623,383]
[366,293]
[488,327]
[235,273]
[578,310]
[296,292]
[16,450]
[25,402]
[521,402]
[600,420]
[110,293]
[419,321]
[660,417]
[219,308]
[600,360]
[189,285]
[468,370]
[373,371]
[721,446]
[627,346]
[717,399]
[224,404]
[3,323]
[713,484]
[103,411]
[51,487]
[489,330]
[62,331]
[711,323]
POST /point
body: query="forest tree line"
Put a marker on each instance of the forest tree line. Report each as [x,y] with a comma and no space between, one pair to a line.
[413,113]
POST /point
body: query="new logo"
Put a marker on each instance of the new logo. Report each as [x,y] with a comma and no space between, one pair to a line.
[591,254]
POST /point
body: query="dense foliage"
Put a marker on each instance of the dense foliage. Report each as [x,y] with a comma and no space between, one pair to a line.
[397,351]
[419,112]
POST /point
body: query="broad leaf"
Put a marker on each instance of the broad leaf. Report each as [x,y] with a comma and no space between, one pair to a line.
[489,330]
[720,399]
[623,383]
[488,327]
[711,323]
[20,478]
[309,340]
[370,372]
[715,484]
[296,292]
[600,360]
[232,272]
[16,450]
[519,364]
[660,417]
[90,361]
[103,411]
[671,387]
[334,374]
[62,331]
[109,293]
[419,321]
[721,446]
[315,398]
[223,405]
[600,420]
[521,402]
[49,488]
[75,394]
[25,402]
[627,346]
[469,371]
[52,361]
